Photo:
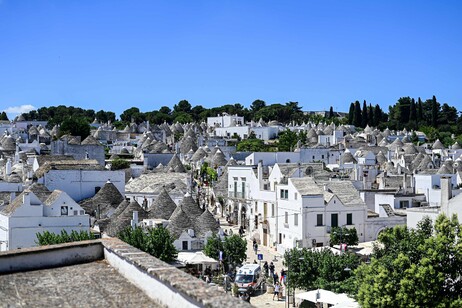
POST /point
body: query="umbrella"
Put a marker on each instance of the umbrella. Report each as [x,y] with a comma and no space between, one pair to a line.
[195,258]
[322,296]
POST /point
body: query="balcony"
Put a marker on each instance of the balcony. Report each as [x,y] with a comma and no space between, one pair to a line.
[236,194]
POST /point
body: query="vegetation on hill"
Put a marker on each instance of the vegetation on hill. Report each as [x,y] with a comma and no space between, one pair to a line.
[436,120]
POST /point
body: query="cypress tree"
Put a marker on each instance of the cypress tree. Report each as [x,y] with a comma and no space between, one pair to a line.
[357,120]
[434,111]
[419,111]
[413,112]
[331,112]
[370,115]
[351,114]
[377,115]
[365,115]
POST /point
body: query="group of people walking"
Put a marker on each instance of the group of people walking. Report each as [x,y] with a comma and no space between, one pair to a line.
[278,281]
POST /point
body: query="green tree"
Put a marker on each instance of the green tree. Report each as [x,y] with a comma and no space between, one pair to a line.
[287,140]
[132,114]
[3,116]
[156,241]
[234,248]
[50,238]
[364,115]
[213,246]
[251,145]
[182,106]
[331,112]
[414,267]
[351,114]
[357,119]
[344,235]
[435,110]
[75,126]
[312,269]
[120,163]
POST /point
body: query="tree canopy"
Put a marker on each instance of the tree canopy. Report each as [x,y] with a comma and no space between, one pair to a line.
[156,241]
[233,247]
[415,267]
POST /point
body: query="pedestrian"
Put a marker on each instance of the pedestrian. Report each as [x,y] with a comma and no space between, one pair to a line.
[271,268]
[283,276]
[265,267]
[276,291]
[255,247]
[275,277]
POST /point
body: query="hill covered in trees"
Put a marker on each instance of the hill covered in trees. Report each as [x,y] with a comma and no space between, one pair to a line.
[436,120]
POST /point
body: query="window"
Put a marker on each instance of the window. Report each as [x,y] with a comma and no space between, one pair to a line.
[76,213]
[319,220]
[322,156]
[64,211]
[295,219]
[295,196]
[243,189]
[272,210]
[404,204]
[280,238]
[256,207]
[184,245]
[313,156]
[349,218]
[334,220]
[82,212]
[265,210]
[286,218]
[284,194]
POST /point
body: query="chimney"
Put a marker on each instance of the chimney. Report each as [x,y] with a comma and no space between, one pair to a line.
[134,221]
[446,194]
[260,170]
[26,198]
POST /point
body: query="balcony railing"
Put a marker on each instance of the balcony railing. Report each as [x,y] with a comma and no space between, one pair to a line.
[236,194]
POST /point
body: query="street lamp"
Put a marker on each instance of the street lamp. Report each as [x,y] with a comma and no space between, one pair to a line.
[287,284]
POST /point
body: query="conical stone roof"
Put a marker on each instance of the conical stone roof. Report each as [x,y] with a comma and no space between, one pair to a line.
[206,222]
[175,164]
[381,158]
[124,219]
[219,159]
[191,208]
[107,199]
[90,140]
[437,145]
[198,155]
[347,158]
[163,207]
[179,222]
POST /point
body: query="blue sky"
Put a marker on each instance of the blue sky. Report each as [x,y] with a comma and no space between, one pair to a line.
[113,55]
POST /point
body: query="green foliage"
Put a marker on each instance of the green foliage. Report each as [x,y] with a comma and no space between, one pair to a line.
[156,241]
[132,114]
[234,249]
[75,126]
[50,238]
[119,163]
[320,269]
[251,145]
[344,235]
[3,116]
[287,141]
[414,268]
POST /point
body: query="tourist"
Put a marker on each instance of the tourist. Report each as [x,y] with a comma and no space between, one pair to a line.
[276,290]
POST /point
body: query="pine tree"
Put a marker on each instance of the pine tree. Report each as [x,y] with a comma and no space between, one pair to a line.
[331,112]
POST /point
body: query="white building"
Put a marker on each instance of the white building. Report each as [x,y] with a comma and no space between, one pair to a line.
[225,120]
[79,179]
[28,215]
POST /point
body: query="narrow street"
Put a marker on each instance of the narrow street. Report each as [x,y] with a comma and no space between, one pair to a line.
[270,255]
